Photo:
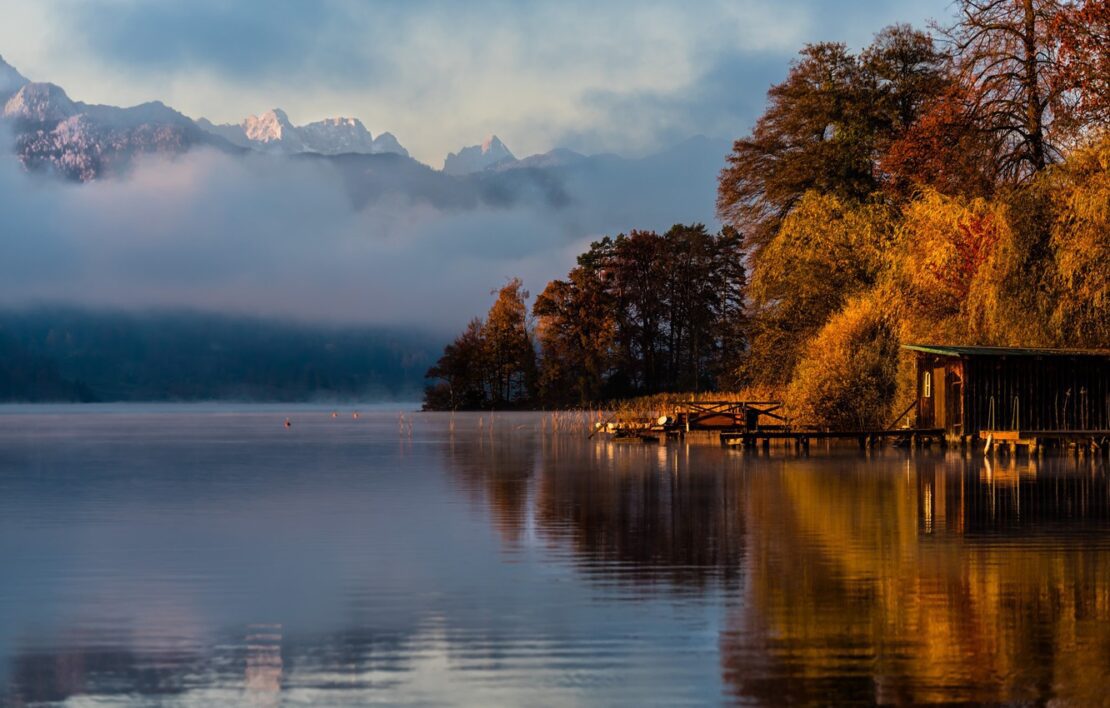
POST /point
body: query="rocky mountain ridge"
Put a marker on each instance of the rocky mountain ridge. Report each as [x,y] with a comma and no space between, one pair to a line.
[273,132]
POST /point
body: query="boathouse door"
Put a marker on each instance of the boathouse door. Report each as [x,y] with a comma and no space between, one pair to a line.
[940,397]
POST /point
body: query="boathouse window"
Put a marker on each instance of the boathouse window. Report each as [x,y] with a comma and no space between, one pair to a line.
[927,386]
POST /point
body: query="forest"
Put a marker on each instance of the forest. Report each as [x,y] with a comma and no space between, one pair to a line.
[948,185]
[70,354]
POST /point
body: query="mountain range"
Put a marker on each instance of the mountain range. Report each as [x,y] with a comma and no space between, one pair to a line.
[82,141]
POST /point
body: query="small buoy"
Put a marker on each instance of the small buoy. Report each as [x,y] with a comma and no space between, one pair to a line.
[334,414]
[355,415]
[288,423]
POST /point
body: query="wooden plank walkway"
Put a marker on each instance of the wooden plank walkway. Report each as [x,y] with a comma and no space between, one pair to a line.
[802,438]
[1034,441]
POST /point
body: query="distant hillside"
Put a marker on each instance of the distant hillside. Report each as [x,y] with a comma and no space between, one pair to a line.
[71,355]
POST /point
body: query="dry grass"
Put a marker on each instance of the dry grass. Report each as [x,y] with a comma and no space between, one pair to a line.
[663,403]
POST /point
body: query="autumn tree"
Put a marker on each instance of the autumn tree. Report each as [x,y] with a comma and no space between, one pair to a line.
[679,300]
[643,313]
[510,354]
[1079,292]
[847,374]
[813,136]
[635,274]
[827,127]
[952,193]
[1007,58]
[1083,30]
[492,364]
[943,150]
[576,330]
[460,373]
[704,284]
[905,72]
[826,251]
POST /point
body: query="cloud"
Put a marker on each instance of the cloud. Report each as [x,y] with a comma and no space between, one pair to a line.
[442,74]
[716,103]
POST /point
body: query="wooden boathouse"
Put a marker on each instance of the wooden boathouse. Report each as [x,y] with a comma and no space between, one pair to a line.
[1013,394]
[1017,397]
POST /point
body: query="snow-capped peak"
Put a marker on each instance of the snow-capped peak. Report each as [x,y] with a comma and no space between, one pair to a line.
[477,157]
[271,126]
[332,136]
[40,103]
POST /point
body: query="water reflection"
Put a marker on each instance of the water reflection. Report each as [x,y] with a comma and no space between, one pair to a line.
[947,582]
[643,515]
[891,578]
[625,515]
[496,472]
[203,561]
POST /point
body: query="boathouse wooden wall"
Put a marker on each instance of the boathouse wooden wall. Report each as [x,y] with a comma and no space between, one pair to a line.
[967,393]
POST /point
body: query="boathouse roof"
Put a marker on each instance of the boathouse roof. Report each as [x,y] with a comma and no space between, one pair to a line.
[945,350]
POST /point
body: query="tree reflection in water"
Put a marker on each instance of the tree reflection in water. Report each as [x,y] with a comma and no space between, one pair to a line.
[892,578]
[629,516]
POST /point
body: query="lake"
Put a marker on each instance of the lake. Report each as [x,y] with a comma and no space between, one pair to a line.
[208,555]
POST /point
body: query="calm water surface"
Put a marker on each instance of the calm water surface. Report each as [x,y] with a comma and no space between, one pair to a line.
[208,556]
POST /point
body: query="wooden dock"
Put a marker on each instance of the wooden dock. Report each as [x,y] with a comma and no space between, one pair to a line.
[1095,442]
[751,424]
[904,437]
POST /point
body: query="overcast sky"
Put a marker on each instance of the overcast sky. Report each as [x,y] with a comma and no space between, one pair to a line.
[621,76]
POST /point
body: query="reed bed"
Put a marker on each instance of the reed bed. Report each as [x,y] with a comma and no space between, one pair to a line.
[574,422]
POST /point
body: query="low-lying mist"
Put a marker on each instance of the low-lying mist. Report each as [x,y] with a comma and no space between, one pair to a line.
[313,240]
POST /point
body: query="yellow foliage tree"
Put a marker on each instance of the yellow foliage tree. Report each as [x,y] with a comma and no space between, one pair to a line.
[943,243]
[1081,248]
[847,375]
[826,252]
